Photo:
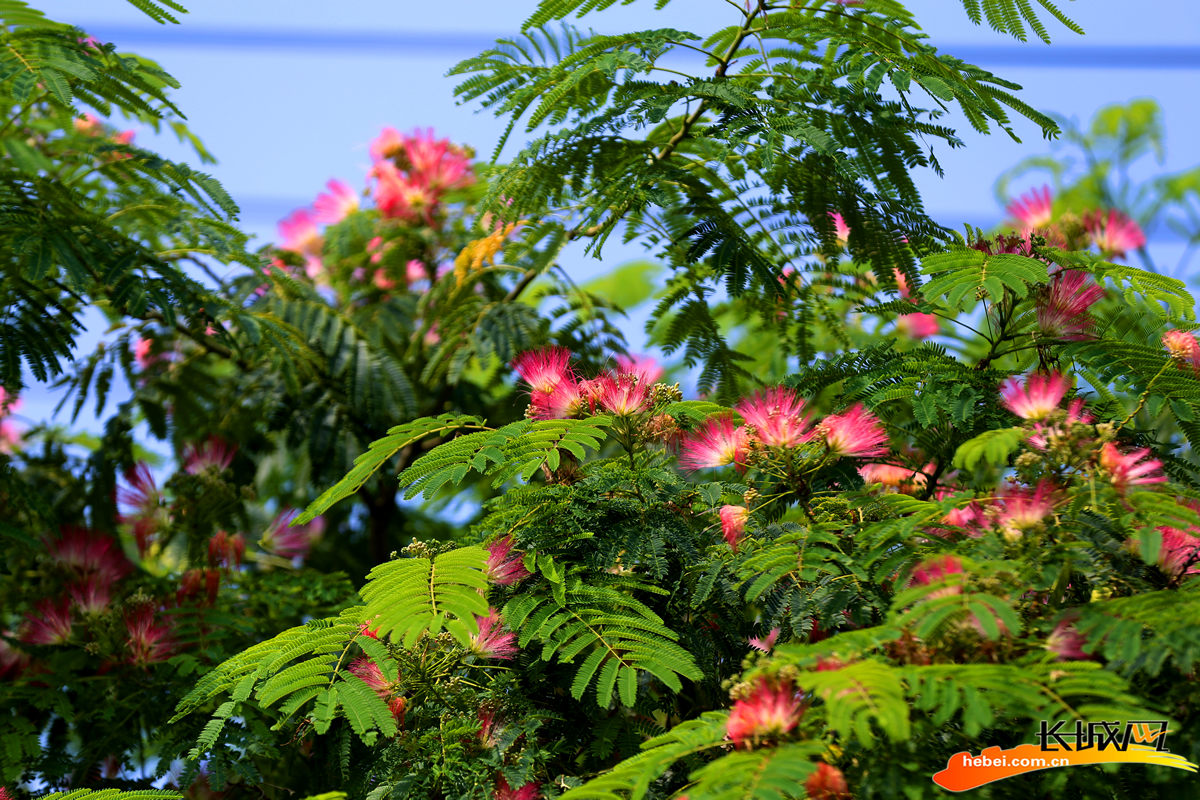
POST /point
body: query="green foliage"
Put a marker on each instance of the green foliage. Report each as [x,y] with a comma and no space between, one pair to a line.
[961,278]
[992,447]
[414,597]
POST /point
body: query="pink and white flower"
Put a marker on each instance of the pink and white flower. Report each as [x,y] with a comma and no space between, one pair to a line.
[504,566]
[88,553]
[1034,209]
[733,524]
[855,433]
[335,205]
[624,395]
[917,327]
[50,623]
[492,641]
[213,452]
[644,368]
[1043,433]
[1024,509]
[936,570]
[543,369]
[530,791]
[765,643]
[1113,232]
[904,479]
[142,504]
[389,144]
[840,229]
[150,640]
[1180,552]
[716,443]
[1062,307]
[291,541]
[1036,398]
[1066,642]
[402,197]
[772,710]
[778,416]
[387,690]
[1134,468]
[1184,348]
[92,595]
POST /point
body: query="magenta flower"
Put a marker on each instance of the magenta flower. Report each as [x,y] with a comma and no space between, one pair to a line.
[299,233]
[488,728]
[840,229]
[1037,398]
[904,479]
[1066,642]
[335,205]
[389,144]
[91,596]
[936,570]
[1184,348]
[438,163]
[826,782]
[142,353]
[716,443]
[765,643]
[1033,209]
[8,404]
[570,398]
[543,369]
[771,710]
[1043,433]
[388,690]
[143,505]
[1062,308]
[529,791]
[1129,469]
[917,326]
[86,553]
[504,567]
[1113,232]
[51,624]
[291,541]
[733,524]
[150,641]
[856,432]
[1023,508]
[778,417]
[645,368]
[1180,552]
[623,396]
[403,197]
[492,641]
[226,550]
[88,125]
[213,452]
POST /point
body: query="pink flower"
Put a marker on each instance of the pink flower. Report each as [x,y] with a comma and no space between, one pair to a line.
[1037,398]
[149,641]
[1034,209]
[1042,433]
[1180,552]
[855,432]
[92,595]
[840,229]
[1113,232]
[291,541]
[1062,308]
[778,417]
[437,162]
[141,352]
[504,792]
[389,144]
[1128,469]
[88,553]
[970,518]
[917,326]
[226,549]
[1024,509]
[826,783]
[904,479]
[402,197]
[299,234]
[335,205]
[388,690]
[569,399]
[771,710]
[716,443]
[733,524]
[213,452]
[765,643]
[622,396]
[88,125]
[504,566]
[51,625]
[12,661]
[143,505]
[8,405]
[10,438]
[1184,348]
[488,729]
[1066,642]
[936,570]
[382,281]
[543,369]
[644,368]
[492,642]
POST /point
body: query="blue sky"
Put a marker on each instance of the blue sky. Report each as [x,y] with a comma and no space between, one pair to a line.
[288,93]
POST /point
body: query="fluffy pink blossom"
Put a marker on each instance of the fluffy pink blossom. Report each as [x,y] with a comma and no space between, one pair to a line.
[335,205]
[388,690]
[826,783]
[227,550]
[1042,432]
[1036,398]
[403,197]
[142,505]
[904,479]
[86,553]
[9,404]
[1180,552]
[1023,508]
[936,570]
[439,164]
[623,396]
[49,624]
[840,229]
[645,368]
[10,437]
[1130,469]
[488,729]
[298,233]
[492,641]
[917,326]
[212,452]
[778,416]
[1033,209]
[1066,642]
[381,281]
[771,710]
[529,791]
[142,352]
[12,661]
[543,369]
[91,596]
[733,524]
[1113,232]
[716,443]
[389,144]
[88,125]
[291,541]
[1184,348]
[765,643]
[504,567]
[150,640]
[856,432]
[1062,307]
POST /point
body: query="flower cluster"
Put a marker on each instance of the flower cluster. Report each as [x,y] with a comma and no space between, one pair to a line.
[1111,231]
[10,435]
